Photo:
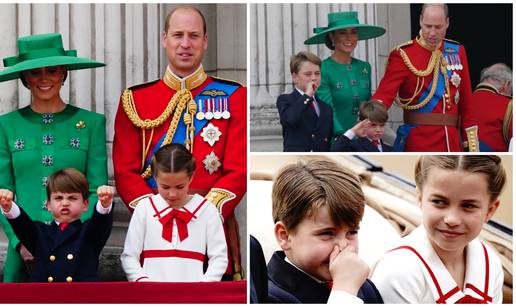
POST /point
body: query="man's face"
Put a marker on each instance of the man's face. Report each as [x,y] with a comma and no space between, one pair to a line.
[434,24]
[185,41]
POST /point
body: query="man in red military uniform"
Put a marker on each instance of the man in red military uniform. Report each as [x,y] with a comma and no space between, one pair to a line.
[487,120]
[206,114]
[430,75]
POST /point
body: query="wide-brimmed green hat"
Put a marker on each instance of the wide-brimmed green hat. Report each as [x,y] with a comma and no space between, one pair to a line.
[344,20]
[43,50]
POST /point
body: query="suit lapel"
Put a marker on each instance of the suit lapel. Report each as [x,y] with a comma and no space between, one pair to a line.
[367,145]
[59,237]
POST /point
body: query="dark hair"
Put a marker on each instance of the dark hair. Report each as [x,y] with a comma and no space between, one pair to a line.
[68,180]
[173,158]
[301,57]
[373,110]
[167,20]
[24,82]
[490,166]
[302,188]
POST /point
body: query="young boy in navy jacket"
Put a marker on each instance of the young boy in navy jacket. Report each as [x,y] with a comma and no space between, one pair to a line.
[317,206]
[67,249]
[366,135]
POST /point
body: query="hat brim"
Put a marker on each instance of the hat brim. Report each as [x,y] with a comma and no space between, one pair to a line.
[71,63]
[364,32]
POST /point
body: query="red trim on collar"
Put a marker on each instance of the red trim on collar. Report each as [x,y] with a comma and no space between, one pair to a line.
[442,298]
[199,207]
[439,291]
[142,278]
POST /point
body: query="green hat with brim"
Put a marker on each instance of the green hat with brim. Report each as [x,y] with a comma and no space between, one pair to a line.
[344,20]
[43,50]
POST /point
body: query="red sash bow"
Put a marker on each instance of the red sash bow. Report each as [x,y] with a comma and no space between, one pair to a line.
[182,218]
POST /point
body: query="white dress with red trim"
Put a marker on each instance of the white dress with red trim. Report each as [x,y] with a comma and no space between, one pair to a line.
[170,245]
[414,273]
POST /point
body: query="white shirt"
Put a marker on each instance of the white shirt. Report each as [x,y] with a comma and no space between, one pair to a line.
[205,237]
[401,276]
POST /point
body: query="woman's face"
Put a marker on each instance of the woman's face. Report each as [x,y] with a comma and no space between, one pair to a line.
[345,40]
[45,83]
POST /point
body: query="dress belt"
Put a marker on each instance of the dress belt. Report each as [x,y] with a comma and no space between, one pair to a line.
[432,119]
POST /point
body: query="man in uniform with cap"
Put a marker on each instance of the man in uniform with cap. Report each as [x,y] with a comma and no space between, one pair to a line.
[206,114]
[487,121]
[430,75]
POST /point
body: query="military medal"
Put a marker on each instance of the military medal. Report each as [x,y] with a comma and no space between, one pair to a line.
[459,63]
[211,134]
[211,163]
[208,115]
[448,61]
[457,97]
[225,113]
[455,79]
[218,106]
[80,125]
[200,114]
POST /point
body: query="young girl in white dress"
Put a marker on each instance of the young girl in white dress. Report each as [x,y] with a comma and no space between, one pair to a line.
[172,233]
[442,261]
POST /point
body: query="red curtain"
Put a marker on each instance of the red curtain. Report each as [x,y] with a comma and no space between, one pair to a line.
[124,292]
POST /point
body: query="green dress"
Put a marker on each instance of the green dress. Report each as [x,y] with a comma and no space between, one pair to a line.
[344,87]
[32,147]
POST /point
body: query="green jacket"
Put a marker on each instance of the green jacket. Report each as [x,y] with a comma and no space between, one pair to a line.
[32,147]
[344,87]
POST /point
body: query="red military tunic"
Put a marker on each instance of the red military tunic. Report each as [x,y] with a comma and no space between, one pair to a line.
[487,120]
[426,132]
[221,166]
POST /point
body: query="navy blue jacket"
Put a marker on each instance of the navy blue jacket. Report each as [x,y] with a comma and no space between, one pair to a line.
[58,254]
[303,130]
[358,144]
[257,272]
[289,285]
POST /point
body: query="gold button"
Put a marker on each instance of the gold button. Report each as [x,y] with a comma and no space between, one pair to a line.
[52,258]
[50,279]
[313,136]
[69,279]
[69,256]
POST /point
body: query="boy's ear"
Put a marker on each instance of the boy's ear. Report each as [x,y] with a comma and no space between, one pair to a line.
[491,210]
[419,196]
[282,235]
[86,205]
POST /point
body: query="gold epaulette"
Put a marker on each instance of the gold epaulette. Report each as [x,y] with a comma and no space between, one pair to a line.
[507,122]
[142,85]
[219,197]
[410,42]
[452,41]
[228,81]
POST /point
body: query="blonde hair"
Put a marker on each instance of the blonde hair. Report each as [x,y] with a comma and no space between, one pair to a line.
[300,189]
[491,166]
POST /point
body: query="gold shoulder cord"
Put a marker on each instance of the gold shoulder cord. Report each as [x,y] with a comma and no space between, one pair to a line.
[177,104]
[507,122]
[436,63]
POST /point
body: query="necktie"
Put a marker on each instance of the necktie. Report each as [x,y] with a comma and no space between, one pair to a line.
[329,284]
[376,143]
[62,226]
[182,218]
[315,105]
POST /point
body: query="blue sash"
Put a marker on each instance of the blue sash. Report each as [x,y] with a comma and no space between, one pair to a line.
[403,132]
[222,90]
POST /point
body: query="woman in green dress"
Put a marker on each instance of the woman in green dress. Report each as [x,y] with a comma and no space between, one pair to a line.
[345,81]
[45,136]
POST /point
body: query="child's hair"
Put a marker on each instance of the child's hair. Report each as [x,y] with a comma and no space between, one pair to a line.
[491,166]
[68,180]
[300,189]
[301,57]
[373,110]
[173,158]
